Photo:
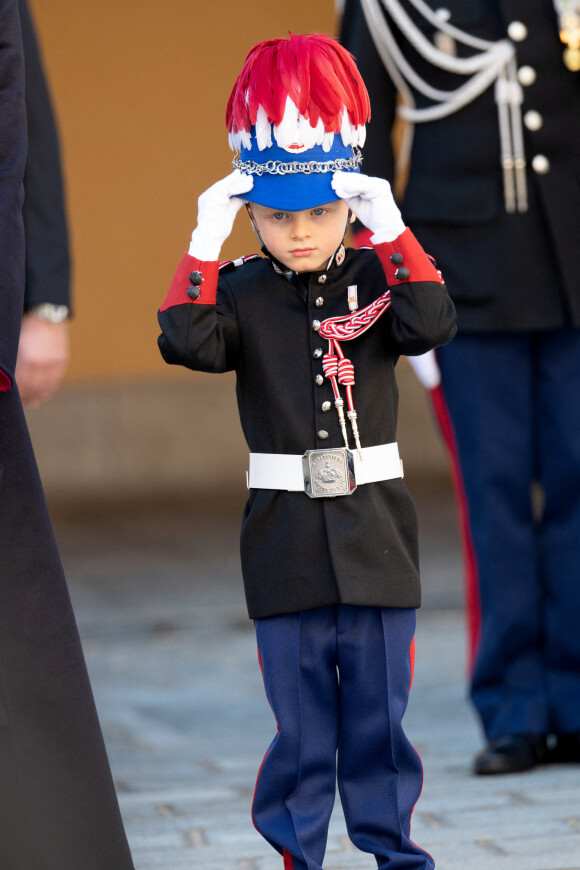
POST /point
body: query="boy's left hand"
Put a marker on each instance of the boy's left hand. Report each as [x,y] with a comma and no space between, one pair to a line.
[371,200]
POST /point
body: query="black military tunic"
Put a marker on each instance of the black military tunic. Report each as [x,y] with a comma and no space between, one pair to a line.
[504,271]
[300,553]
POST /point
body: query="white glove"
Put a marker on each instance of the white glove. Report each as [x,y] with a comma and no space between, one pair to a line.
[426,368]
[371,200]
[216,211]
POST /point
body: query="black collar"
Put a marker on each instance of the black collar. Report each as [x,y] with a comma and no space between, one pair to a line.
[335,262]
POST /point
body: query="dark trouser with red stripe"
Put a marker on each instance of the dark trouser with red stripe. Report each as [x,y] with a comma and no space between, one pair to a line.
[514,402]
[338,679]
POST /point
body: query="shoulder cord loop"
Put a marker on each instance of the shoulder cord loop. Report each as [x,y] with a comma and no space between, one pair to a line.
[493,62]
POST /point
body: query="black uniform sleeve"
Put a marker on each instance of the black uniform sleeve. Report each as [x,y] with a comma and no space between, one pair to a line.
[12,158]
[199,332]
[47,277]
[422,315]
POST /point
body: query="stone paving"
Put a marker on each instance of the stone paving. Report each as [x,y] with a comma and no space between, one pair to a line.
[173,663]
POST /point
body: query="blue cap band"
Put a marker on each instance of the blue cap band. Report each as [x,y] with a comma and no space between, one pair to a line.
[281,182]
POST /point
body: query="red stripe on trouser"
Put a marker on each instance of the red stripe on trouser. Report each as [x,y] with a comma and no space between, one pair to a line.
[412,664]
[470,571]
[263,762]
[288,864]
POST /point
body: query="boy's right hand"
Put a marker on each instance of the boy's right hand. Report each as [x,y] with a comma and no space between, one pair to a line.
[217,210]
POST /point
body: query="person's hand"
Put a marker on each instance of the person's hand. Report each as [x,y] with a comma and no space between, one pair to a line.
[43,355]
[371,200]
[217,210]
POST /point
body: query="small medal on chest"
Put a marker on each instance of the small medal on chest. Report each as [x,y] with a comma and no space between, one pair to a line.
[352,297]
[568,12]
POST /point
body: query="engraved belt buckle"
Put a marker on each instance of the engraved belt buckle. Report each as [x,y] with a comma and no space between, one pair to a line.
[328,473]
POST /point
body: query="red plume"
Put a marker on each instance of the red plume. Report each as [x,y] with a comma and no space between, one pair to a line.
[315,71]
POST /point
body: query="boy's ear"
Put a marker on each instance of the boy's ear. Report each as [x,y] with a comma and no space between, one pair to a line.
[352,218]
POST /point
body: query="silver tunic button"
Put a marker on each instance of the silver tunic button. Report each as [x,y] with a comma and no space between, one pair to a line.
[316,325]
[517,31]
[322,279]
[540,164]
[443,14]
[317,353]
[319,380]
[322,434]
[319,302]
[526,76]
[533,120]
[326,406]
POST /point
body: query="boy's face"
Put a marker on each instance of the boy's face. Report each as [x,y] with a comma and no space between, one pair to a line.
[303,240]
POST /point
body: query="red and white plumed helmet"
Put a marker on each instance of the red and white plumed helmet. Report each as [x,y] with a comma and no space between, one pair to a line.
[296,114]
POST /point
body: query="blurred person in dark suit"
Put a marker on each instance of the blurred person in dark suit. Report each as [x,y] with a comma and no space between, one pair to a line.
[43,352]
[58,808]
[491,96]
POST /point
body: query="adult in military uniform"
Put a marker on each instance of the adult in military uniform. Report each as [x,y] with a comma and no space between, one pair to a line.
[490,91]
[58,808]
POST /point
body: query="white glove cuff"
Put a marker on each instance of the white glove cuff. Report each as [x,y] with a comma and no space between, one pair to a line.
[390,233]
[204,248]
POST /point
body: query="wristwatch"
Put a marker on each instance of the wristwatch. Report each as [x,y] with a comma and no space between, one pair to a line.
[49,312]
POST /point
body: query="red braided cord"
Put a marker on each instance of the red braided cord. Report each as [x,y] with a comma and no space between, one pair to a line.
[336,367]
[339,370]
[330,365]
[330,369]
[345,372]
[346,377]
[353,325]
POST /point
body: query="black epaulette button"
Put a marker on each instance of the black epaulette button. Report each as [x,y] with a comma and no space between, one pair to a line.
[193,292]
[397,259]
[402,273]
[196,278]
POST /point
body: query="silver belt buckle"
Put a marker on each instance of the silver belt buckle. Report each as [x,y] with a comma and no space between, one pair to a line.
[328,473]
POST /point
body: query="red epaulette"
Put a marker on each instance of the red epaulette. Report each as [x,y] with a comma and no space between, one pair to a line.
[228,265]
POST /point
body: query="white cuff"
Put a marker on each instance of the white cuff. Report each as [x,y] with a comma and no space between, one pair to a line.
[203,248]
[388,234]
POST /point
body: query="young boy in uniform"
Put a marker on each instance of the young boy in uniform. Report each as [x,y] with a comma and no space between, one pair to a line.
[329,537]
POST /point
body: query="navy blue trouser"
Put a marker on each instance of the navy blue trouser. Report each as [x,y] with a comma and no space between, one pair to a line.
[338,679]
[514,401]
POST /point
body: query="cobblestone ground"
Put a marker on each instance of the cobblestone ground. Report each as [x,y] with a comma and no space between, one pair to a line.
[172,658]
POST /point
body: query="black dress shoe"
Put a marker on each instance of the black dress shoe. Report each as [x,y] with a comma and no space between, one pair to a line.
[566,749]
[511,753]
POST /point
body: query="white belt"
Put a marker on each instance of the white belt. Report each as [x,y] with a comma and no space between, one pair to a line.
[328,472]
